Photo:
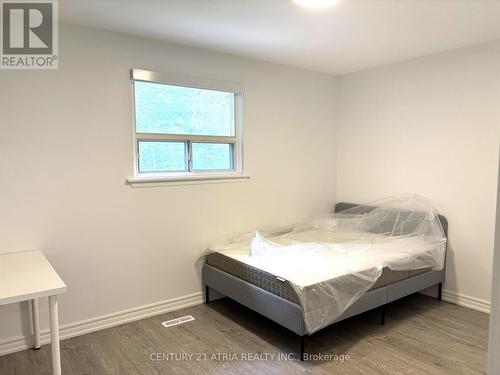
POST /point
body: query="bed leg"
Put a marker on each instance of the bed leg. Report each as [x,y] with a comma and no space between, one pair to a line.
[302,339]
[207,294]
[440,291]
[382,315]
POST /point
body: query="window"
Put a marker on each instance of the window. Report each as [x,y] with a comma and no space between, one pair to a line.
[186,127]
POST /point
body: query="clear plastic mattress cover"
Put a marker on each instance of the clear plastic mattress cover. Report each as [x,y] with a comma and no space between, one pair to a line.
[332,261]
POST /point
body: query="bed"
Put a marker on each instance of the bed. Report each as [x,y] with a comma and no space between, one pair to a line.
[275,298]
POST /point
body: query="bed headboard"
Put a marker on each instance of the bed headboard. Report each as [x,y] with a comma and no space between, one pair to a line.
[341,206]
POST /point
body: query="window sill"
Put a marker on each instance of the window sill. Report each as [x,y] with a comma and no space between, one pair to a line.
[153,181]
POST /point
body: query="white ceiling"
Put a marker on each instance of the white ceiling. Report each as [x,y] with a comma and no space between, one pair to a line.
[351,36]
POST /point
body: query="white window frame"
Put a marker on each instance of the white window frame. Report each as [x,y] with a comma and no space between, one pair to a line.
[141,75]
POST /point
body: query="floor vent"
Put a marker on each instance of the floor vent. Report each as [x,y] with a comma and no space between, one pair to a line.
[177,321]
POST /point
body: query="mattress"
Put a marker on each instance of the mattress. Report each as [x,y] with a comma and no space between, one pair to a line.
[282,288]
[326,265]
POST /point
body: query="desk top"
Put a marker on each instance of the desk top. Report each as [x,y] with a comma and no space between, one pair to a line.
[27,275]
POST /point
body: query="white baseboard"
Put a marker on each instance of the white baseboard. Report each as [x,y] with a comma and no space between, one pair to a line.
[19,343]
[466,301]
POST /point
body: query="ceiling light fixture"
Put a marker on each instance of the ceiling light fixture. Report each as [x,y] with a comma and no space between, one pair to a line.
[316,4]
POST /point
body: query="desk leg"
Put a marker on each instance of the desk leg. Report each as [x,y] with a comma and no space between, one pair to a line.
[36,323]
[54,335]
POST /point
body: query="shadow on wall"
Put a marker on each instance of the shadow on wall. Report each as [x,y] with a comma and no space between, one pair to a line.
[22,310]
[450,278]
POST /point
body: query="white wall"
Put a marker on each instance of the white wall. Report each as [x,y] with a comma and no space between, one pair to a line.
[430,126]
[66,150]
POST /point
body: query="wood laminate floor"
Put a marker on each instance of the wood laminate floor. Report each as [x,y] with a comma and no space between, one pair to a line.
[421,336]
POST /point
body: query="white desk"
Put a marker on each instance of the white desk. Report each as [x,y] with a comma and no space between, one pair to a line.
[27,276]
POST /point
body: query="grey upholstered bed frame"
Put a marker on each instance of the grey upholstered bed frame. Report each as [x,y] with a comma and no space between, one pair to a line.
[290,315]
